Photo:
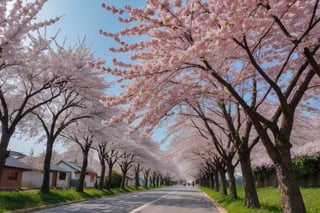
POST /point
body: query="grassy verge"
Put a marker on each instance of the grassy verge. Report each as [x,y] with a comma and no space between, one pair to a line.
[269,199]
[14,200]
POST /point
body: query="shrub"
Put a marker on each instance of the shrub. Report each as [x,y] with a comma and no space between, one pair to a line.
[115,179]
[305,165]
[262,172]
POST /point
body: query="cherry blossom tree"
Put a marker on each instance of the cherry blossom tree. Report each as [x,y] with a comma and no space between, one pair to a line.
[36,161]
[111,157]
[125,162]
[226,118]
[108,147]
[213,168]
[137,169]
[138,152]
[194,148]
[220,136]
[71,152]
[79,99]
[129,155]
[154,160]
[142,159]
[149,158]
[304,139]
[230,120]
[22,66]
[83,132]
[101,149]
[146,173]
[205,43]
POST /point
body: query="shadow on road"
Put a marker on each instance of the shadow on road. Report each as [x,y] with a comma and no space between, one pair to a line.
[187,197]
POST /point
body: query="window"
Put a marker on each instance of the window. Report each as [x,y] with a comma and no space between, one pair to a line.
[12,175]
[62,175]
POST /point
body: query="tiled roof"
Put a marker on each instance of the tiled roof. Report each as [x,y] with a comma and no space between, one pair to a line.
[57,168]
[12,162]
[77,167]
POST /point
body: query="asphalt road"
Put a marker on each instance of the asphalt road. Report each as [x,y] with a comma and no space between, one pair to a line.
[167,200]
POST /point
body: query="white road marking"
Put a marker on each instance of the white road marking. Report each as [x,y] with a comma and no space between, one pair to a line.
[147,204]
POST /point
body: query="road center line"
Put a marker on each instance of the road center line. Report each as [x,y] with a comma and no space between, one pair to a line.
[147,204]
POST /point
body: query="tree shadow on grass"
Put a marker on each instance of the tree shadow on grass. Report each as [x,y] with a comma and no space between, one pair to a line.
[53,197]
[271,208]
[227,200]
[19,201]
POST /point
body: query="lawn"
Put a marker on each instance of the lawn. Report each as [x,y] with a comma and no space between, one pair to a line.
[269,199]
[13,200]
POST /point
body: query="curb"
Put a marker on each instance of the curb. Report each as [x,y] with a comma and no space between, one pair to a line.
[48,206]
[37,208]
[219,207]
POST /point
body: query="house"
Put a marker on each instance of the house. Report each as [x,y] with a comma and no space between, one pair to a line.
[75,170]
[59,178]
[12,173]
[130,180]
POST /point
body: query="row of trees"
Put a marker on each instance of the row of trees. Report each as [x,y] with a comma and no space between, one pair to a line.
[209,160]
[134,155]
[49,91]
[46,88]
[106,149]
[242,72]
[246,69]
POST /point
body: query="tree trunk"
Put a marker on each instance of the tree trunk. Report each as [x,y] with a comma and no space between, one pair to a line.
[291,198]
[216,181]
[150,180]
[223,181]
[146,181]
[5,138]
[123,179]
[201,181]
[137,171]
[207,180]
[211,180]
[46,167]
[102,174]
[154,179]
[83,172]
[232,180]
[109,183]
[146,177]
[278,150]
[250,192]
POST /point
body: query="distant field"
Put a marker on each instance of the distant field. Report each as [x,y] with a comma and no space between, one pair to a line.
[269,200]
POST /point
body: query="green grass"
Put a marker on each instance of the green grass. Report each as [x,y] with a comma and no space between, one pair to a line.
[269,200]
[13,200]
[311,197]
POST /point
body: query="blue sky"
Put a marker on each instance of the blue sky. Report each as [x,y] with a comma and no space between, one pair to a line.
[80,18]
[84,18]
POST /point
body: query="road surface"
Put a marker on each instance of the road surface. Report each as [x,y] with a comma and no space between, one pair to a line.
[166,200]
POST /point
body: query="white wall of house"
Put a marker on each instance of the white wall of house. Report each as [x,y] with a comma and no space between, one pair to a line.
[130,181]
[63,182]
[32,179]
[90,180]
